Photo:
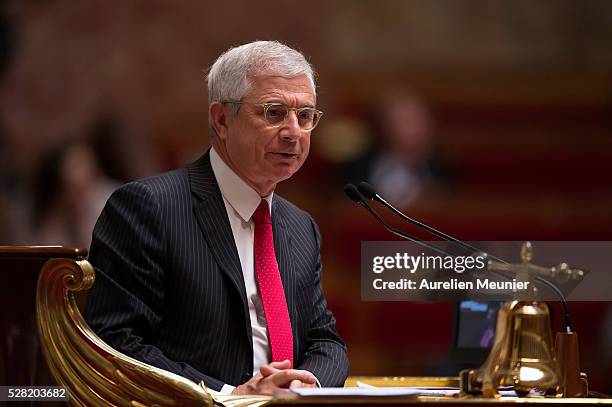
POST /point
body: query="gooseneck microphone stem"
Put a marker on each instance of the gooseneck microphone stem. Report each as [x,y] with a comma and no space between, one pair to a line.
[401,234]
[566,315]
[368,191]
[351,192]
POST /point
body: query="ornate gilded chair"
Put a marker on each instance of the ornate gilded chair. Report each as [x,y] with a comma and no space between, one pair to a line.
[91,371]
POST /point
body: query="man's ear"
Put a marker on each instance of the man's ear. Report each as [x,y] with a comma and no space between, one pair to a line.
[218,119]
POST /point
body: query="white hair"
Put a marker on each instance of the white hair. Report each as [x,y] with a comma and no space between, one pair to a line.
[230,76]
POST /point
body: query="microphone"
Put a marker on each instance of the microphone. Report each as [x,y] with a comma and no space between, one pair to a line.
[351,191]
[368,191]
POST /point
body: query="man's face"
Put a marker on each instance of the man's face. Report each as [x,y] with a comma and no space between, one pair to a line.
[260,154]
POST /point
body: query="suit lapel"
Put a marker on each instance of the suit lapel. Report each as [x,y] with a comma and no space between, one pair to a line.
[212,217]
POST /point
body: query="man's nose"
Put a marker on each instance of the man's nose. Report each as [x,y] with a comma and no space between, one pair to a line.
[291,130]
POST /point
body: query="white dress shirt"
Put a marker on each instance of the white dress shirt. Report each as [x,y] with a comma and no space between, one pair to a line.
[241,201]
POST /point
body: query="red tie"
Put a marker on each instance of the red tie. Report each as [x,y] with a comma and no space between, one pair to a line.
[271,287]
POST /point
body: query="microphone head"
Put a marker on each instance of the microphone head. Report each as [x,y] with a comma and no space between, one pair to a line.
[367,190]
[351,191]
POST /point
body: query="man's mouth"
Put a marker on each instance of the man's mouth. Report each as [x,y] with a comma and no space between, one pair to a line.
[285,155]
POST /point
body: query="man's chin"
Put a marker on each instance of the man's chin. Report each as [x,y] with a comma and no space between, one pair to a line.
[284,174]
[283,170]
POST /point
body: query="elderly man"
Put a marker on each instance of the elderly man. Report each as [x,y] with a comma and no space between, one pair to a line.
[204,271]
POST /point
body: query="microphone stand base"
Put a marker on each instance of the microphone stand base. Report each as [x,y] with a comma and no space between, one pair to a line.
[568,356]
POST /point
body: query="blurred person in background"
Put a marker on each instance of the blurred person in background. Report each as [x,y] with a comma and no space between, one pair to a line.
[70,190]
[204,271]
[402,163]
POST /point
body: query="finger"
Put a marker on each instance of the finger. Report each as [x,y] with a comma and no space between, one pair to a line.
[306,377]
[267,370]
[285,364]
[268,387]
[282,378]
[298,383]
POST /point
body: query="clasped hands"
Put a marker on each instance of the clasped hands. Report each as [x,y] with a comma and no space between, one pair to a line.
[276,376]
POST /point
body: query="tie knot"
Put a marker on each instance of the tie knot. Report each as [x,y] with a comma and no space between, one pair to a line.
[262,213]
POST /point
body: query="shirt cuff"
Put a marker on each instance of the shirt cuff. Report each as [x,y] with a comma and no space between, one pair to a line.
[227,389]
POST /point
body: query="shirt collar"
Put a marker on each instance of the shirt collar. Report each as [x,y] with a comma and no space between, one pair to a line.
[238,193]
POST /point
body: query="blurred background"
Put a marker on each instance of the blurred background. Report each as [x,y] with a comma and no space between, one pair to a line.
[490,120]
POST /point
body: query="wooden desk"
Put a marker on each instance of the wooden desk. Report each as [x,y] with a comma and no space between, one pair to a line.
[403,381]
[379,381]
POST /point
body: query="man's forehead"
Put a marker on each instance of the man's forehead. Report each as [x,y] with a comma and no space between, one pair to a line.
[282,85]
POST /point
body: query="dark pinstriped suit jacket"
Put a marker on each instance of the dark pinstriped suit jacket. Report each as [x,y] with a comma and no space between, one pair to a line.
[169,288]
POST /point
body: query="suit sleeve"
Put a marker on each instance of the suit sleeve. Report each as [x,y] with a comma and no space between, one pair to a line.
[126,304]
[325,354]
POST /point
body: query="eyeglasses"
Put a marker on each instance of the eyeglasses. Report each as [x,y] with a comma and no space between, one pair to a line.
[276,114]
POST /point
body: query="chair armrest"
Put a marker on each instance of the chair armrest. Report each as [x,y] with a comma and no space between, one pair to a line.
[92,372]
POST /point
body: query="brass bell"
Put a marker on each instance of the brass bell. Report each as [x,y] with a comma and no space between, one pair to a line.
[522,355]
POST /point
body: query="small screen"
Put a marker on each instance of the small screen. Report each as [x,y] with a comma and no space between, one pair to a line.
[476,324]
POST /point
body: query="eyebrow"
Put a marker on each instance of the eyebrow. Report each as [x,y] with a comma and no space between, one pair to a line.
[280,102]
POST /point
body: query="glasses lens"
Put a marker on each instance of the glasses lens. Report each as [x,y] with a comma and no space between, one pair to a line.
[276,114]
[307,118]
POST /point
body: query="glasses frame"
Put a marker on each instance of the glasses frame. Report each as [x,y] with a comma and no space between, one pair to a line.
[268,105]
